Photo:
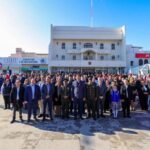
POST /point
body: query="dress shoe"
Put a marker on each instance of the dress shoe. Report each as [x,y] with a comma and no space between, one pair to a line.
[40,115]
[21,120]
[12,121]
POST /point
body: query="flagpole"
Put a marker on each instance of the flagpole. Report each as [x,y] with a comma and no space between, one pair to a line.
[91,14]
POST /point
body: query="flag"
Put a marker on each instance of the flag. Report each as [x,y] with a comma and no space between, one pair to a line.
[8,69]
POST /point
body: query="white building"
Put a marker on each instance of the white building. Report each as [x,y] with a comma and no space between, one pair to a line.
[136,57]
[26,64]
[87,49]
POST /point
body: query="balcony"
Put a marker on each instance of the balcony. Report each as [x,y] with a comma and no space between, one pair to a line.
[83,50]
[73,51]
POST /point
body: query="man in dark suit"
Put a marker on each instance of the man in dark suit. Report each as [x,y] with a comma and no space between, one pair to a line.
[65,95]
[78,94]
[6,89]
[32,95]
[91,98]
[101,92]
[70,86]
[47,95]
[17,98]
[126,96]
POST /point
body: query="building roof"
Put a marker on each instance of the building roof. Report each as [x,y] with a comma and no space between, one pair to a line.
[83,32]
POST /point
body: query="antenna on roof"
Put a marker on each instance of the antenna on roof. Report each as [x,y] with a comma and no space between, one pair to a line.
[91,14]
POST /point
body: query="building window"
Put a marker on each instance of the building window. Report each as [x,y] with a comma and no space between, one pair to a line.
[102,57]
[57,56]
[74,57]
[146,61]
[113,57]
[74,45]
[113,46]
[63,57]
[63,46]
[101,46]
[140,62]
[131,63]
[118,56]
[88,45]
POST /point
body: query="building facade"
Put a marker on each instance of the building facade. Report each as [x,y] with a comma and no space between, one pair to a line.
[20,65]
[136,57]
[22,61]
[22,54]
[87,49]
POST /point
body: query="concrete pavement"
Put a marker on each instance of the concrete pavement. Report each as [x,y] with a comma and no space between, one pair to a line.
[103,134]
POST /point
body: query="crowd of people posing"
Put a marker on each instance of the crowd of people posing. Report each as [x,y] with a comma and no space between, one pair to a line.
[66,95]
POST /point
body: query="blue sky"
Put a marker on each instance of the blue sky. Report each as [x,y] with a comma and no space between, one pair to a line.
[26,23]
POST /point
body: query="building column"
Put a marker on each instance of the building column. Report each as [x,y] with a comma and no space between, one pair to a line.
[96,57]
[81,56]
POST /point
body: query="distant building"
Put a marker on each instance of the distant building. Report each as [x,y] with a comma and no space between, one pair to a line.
[136,56]
[20,53]
[22,61]
[87,49]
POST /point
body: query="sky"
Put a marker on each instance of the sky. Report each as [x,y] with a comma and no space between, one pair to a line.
[26,23]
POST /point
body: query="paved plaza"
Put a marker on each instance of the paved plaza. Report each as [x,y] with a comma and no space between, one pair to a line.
[103,134]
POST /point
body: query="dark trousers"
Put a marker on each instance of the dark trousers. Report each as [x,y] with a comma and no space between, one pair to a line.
[99,106]
[32,107]
[17,107]
[83,109]
[91,107]
[65,108]
[143,102]
[7,101]
[126,108]
[78,107]
[71,105]
[47,102]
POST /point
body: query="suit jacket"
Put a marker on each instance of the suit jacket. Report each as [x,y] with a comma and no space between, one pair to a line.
[13,95]
[126,94]
[6,89]
[91,91]
[78,90]
[44,91]
[65,91]
[101,91]
[28,93]
[56,92]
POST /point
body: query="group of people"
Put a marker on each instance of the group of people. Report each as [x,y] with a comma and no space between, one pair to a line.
[65,95]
